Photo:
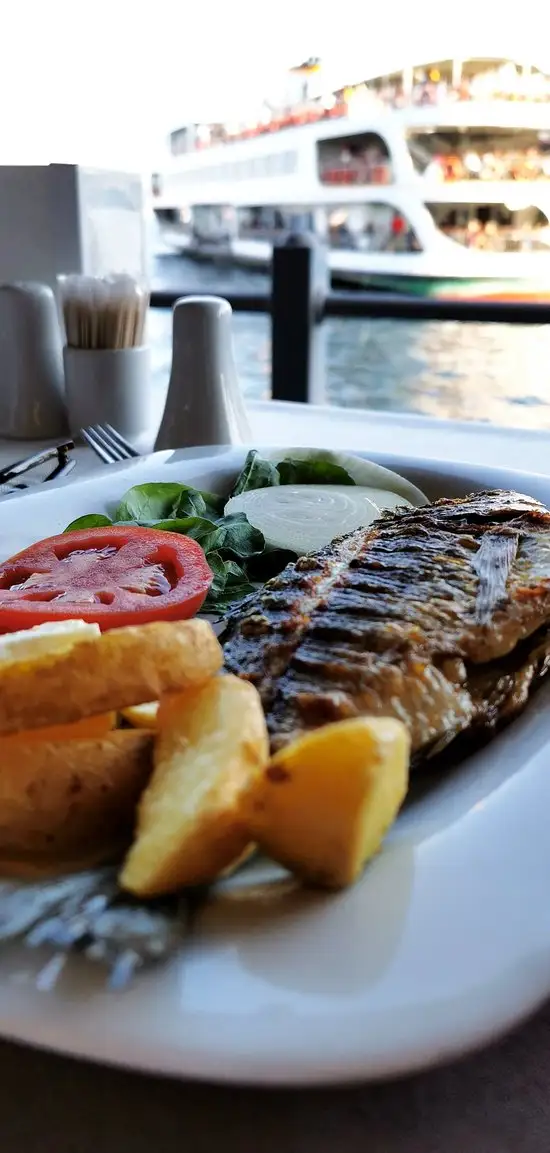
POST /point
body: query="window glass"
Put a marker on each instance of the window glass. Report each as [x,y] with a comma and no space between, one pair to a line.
[359,159]
[446,155]
[493,227]
[369,228]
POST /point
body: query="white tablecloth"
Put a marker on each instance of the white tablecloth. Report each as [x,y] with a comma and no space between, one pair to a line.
[273,423]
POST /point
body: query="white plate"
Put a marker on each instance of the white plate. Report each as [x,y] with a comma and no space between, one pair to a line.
[443,944]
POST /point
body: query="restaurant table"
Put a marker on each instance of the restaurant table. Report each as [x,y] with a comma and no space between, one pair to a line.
[496,1101]
[308,426]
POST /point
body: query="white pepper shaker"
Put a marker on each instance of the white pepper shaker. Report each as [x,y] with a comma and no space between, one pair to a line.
[32,391]
[204,404]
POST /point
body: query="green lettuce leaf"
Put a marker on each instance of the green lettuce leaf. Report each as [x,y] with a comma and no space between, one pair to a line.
[238,537]
[149,502]
[91,520]
[312,472]
[193,502]
[256,473]
[230,584]
[163,500]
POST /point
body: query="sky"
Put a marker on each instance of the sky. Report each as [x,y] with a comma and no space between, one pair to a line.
[103,83]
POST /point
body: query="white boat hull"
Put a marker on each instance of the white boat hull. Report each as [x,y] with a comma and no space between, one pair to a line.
[444,272]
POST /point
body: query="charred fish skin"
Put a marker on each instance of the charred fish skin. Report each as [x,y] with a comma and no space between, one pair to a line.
[262,633]
[392,620]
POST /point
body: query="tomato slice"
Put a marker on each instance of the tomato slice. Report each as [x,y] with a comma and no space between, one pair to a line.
[112,576]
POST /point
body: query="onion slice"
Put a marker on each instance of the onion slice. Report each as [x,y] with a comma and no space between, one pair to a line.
[304,518]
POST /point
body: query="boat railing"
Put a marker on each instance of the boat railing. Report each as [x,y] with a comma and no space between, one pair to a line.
[342,103]
[300,300]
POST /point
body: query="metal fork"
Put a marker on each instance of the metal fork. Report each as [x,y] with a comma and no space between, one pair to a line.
[107,443]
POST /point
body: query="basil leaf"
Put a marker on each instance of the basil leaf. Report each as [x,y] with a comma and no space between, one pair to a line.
[234,572]
[215,504]
[256,473]
[238,537]
[204,531]
[92,520]
[312,472]
[164,499]
[227,599]
[230,584]
[147,502]
[193,502]
[218,568]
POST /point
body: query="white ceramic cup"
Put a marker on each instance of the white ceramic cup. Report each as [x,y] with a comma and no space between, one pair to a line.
[109,386]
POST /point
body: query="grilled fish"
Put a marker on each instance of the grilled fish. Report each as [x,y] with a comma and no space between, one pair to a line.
[439,616]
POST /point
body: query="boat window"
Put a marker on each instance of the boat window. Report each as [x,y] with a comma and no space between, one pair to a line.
[288,162]
[266,222]
[448,154]
[168,215]
[494,227]
[369,228]
[181,141]
[359,159]
[274,164]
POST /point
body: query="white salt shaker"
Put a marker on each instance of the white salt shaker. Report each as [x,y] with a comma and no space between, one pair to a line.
[204,404]
[32,394]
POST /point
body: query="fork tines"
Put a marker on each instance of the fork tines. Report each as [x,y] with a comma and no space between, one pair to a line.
[108,443]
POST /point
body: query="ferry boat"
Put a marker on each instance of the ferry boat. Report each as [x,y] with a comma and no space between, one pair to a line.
[433,180]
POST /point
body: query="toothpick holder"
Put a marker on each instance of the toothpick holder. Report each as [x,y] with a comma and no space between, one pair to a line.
[109,386]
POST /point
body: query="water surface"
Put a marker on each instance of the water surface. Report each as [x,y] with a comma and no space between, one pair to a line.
[490,372]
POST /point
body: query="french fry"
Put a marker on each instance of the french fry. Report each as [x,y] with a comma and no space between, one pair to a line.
[211,742]
[142,716]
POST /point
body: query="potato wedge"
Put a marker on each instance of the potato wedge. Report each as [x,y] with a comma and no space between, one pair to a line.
[119,668]
[211,741]
[86,729]
[142,716]
[324,803]
[69,804]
